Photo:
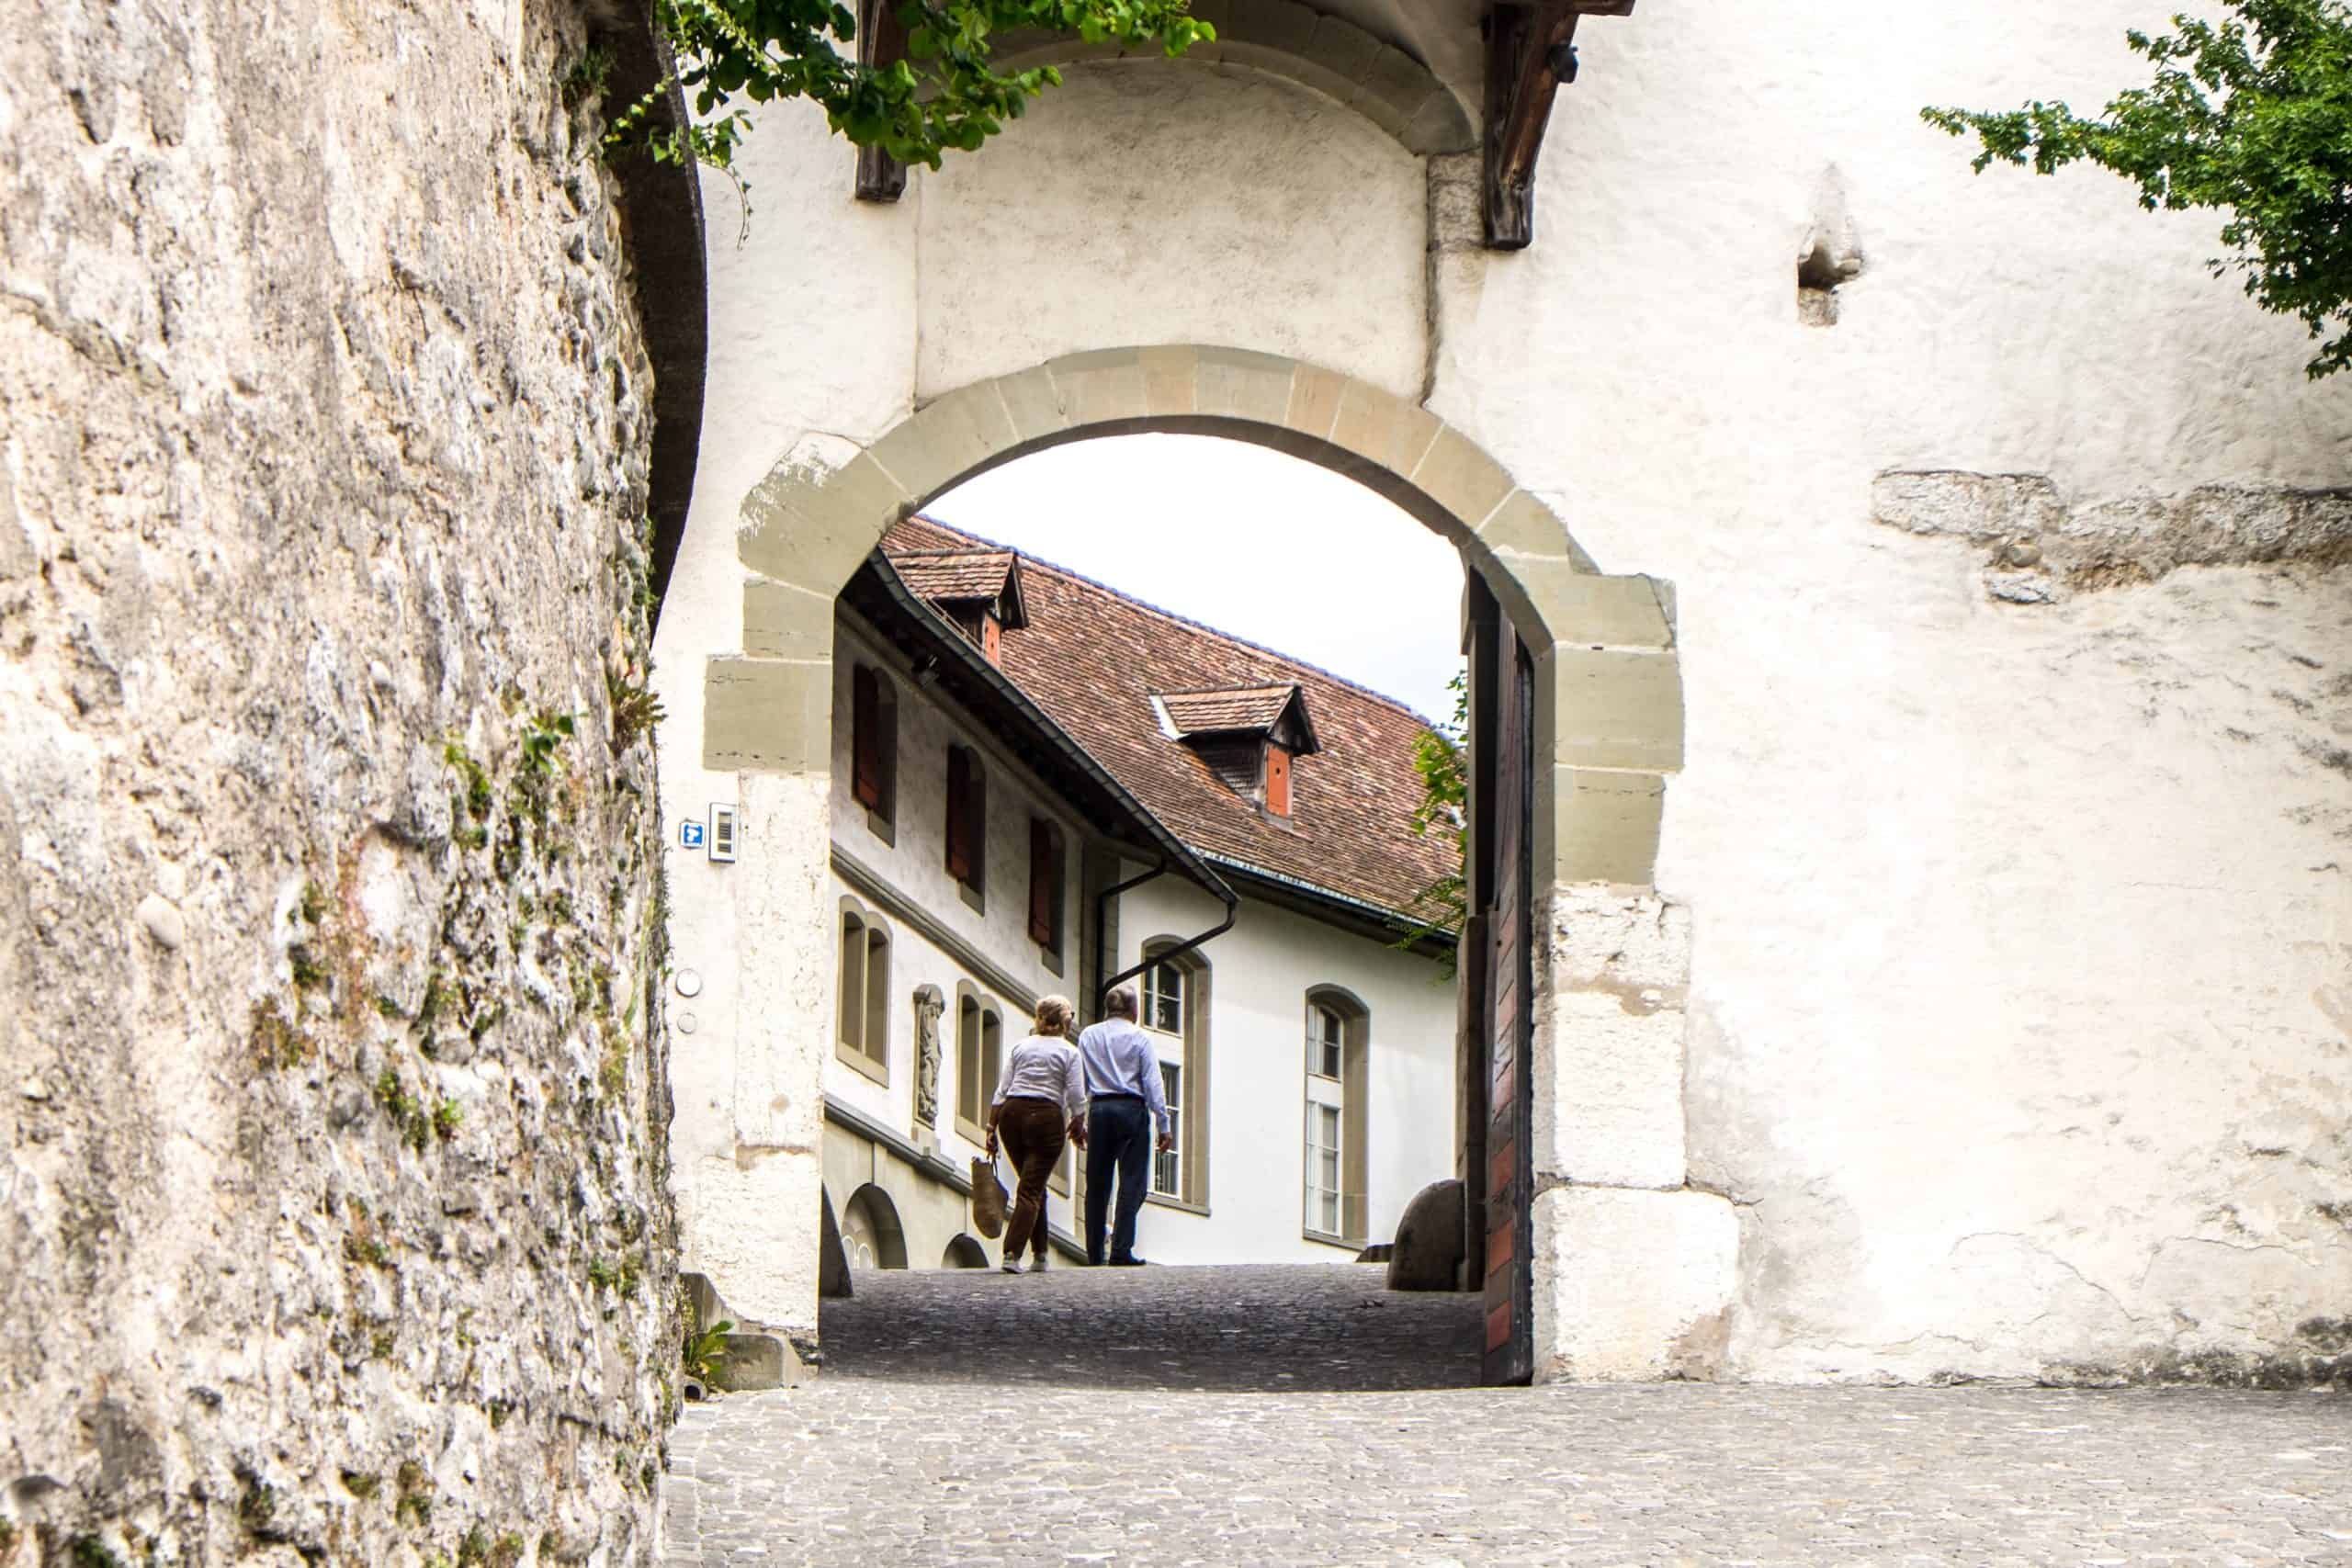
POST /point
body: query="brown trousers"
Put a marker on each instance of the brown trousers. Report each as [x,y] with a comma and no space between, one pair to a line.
[1033,1133]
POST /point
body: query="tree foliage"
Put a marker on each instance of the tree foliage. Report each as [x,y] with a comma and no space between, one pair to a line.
[2252,115]
[1438,756]
[945,96]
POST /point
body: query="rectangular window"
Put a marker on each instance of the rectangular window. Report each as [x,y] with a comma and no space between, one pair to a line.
[864,998]
[991,1055]
[1323,1194]
[1326,1042]
[970,1095]
[873,741]
[852,991]
[1168,1168]
[967,815]
[1045,884]
[1163,998]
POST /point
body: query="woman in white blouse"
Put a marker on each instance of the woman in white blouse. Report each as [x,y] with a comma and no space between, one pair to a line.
[1040,1103]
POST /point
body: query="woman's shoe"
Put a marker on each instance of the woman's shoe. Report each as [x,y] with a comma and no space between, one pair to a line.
[1011,1266]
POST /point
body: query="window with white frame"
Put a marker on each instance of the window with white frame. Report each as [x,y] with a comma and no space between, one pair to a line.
[1325,1041]
[1175,1009]
[1167,1165]
[1163,998]
[1326,1201]
[1335,1177]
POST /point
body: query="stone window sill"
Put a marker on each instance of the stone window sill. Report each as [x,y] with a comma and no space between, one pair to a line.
[879,1072]
[1324,1238]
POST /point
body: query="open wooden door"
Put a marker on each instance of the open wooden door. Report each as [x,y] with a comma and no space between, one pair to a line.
[1502,1185]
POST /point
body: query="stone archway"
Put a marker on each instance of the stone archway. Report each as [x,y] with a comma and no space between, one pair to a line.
[1634,1268]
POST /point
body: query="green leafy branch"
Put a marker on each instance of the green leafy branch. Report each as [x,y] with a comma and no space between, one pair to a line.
[945,96]
[2252,116]
[1438,756]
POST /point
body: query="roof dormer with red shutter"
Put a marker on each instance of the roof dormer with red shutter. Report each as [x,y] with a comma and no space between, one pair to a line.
[1246,736]
[979,591]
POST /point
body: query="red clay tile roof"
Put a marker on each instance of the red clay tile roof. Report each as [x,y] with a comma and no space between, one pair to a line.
[1092,659]
[1240,707]
[948,577]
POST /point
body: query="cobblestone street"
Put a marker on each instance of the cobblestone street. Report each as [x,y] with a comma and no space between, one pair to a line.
[1303,1416]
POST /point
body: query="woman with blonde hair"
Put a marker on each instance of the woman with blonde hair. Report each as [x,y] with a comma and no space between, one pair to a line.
[1040,1103]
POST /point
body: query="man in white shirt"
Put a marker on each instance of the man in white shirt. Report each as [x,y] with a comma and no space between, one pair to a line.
[1127,1101]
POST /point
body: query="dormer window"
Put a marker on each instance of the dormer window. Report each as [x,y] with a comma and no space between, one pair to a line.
[978,591]
[1246,736]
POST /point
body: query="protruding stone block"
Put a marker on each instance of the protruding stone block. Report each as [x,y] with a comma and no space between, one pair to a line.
[1633,1286]
[1600,826]
[1611,937]
[783,621]
[748,1361]
[768,716]
[1615,707]
[1428,1252]
[1608,1071]
[1591,612]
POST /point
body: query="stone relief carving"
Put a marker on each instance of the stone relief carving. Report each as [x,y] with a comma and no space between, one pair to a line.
[928,1005]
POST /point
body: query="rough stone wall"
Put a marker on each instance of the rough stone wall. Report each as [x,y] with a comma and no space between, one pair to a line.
[333,1096]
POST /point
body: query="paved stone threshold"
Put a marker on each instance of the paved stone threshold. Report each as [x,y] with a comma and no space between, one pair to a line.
[954,1429]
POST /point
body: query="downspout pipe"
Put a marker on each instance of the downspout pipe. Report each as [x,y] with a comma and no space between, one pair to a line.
[1232,912]
[1102,928]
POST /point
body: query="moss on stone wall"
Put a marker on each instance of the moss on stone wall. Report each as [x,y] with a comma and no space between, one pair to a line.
[332,1084]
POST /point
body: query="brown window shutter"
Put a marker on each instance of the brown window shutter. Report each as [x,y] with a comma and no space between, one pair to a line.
[1277,780]
[865,739]
[1045,884]
[959,814]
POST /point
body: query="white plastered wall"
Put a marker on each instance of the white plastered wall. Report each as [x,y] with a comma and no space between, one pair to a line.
[1259,972]
[2015,995]
[2018,997]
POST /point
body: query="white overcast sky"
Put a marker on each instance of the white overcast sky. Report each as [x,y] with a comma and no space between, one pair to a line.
[1251,542]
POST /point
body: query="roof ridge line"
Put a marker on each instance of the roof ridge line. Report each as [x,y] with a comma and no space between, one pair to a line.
[1040,562]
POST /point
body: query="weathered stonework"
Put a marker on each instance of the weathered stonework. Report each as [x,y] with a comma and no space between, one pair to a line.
[2040,548]
[333,1094]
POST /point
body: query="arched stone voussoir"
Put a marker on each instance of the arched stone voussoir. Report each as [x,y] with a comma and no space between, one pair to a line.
[1287,39]
[811,527]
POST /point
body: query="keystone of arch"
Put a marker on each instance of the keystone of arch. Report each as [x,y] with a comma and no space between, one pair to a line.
[1609,714]
[1285,39]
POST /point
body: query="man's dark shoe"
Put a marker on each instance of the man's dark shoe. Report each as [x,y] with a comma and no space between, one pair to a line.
[1127,1262]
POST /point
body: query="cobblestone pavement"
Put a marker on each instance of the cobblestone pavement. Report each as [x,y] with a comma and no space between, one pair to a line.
[1289,1417]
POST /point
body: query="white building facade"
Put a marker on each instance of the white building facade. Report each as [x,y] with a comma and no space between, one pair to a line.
[1308,1060]
[1943,915]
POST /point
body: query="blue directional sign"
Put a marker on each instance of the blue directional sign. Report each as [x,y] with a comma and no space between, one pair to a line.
[690,835]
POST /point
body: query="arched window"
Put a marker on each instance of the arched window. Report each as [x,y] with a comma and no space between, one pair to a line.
[874,747]
[863,1009]
[1174,996]
[1338,1165]
[980,1059]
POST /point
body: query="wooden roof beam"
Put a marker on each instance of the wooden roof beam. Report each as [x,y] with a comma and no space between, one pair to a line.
[1530,50]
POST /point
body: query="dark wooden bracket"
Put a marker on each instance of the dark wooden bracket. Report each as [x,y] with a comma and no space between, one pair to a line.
[1531,49]
[881,41]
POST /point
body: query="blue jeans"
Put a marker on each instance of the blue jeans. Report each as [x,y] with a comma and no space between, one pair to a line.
[1118,1137]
